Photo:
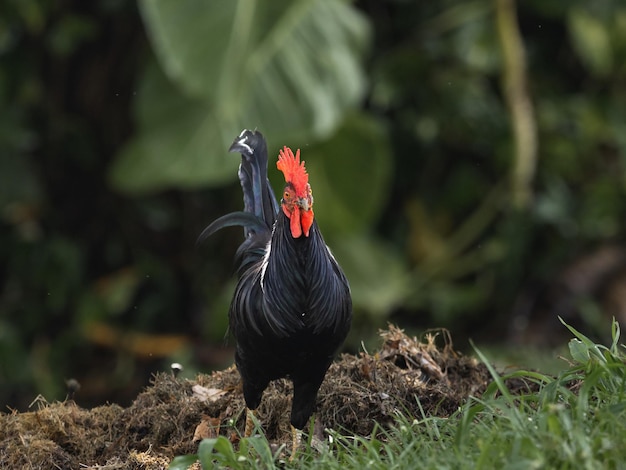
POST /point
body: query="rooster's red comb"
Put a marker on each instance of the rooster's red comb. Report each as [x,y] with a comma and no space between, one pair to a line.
[294,170]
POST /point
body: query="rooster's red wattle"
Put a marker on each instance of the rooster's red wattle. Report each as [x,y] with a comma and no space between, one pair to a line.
[291,310]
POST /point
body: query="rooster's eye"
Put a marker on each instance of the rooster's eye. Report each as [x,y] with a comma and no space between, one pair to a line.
[286,195]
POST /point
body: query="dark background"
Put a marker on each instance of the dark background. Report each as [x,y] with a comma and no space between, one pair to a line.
[100,278]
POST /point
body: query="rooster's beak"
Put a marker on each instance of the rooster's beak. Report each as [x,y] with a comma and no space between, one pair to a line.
[303,203]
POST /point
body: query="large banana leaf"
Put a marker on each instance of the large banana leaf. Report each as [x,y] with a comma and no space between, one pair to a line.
[350,174]
[289,68]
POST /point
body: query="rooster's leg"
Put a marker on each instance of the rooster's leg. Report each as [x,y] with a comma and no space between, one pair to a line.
[296,436]
[250,414]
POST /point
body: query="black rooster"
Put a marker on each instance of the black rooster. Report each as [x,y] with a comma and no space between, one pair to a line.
[291,310]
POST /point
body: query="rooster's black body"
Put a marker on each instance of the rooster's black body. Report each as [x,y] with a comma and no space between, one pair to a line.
[291,310]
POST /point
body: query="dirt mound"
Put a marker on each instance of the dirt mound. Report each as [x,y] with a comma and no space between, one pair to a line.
[172,415]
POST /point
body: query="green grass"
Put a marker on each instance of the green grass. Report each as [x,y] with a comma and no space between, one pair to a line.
[576,420]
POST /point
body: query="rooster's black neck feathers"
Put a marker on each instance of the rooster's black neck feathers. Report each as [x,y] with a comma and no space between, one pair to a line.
[302,283]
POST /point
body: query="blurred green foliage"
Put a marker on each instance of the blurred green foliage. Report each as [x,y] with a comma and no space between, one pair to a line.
[229,64]
[115,119]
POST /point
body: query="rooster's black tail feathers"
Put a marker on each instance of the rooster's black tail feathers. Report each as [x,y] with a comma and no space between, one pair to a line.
[242,219]
[258,196]
[260,205]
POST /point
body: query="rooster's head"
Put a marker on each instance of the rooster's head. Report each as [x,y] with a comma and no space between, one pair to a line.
[297,200]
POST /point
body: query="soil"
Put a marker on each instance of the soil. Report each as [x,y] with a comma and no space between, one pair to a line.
[172,415]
